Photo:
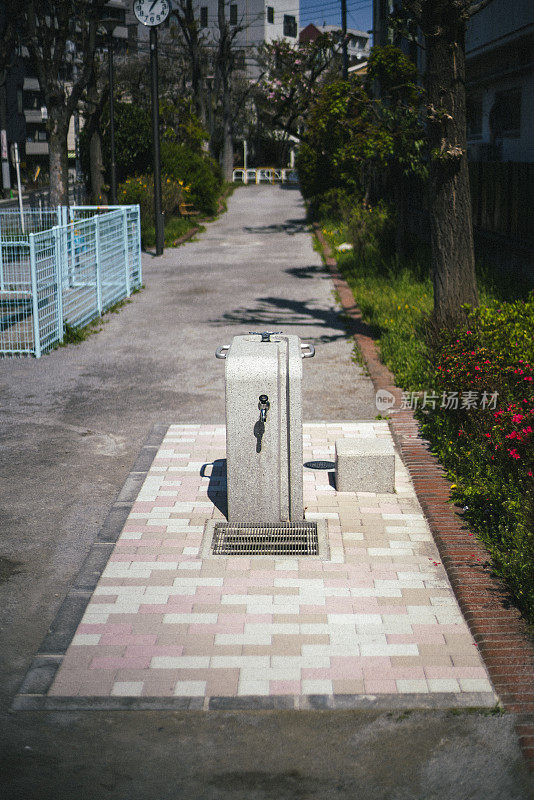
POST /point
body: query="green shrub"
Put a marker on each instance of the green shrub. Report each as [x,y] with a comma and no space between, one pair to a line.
[199,172]
[371,231]
[488,445]
[140,191]
[133,141]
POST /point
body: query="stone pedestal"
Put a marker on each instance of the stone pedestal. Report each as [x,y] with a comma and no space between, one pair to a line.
[365,465]
[264,458]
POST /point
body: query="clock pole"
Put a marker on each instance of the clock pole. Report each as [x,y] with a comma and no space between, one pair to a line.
[158,217]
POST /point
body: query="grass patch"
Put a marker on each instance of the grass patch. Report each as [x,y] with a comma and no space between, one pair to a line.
[174,229]
[74,334]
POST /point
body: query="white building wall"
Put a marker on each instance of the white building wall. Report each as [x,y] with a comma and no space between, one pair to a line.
[498,38]
[500,21]
[253,16]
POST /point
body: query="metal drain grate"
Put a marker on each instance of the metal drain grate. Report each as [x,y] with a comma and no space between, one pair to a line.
[274,539]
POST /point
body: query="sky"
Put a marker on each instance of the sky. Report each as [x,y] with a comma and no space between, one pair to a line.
[359,13]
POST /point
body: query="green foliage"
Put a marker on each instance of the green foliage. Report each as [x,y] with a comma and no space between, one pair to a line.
[371,231]
[350,134]
[199,172]
[395,73]
[133,140]
[293,75]
[140,191]
[180,125]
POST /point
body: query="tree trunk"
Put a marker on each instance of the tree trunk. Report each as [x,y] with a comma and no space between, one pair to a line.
[93,127]
[453,259]
[59,174]
[227,156]
[401,219]
[97,168]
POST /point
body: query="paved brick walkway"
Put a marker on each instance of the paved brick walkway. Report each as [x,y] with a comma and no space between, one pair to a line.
[373,620]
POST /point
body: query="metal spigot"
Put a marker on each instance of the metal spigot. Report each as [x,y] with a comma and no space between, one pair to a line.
[265,335]
[263,406]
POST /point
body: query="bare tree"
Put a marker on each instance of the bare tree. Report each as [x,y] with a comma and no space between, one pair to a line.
[194,44]
[48,29]
[443,24]
[10,15]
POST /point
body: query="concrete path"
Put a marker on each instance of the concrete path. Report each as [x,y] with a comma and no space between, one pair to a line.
[72,425]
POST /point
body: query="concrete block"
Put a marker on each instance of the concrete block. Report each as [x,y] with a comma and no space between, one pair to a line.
[365,465]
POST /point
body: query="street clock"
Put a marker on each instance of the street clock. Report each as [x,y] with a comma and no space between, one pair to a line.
[152,12]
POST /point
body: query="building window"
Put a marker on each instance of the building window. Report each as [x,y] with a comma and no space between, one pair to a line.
[270,14]
[474,116]
[233,15]
[240,60]
[203,16]
[290,26]
[505,116]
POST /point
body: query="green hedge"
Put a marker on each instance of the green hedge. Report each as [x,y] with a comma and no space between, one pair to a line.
[199,172]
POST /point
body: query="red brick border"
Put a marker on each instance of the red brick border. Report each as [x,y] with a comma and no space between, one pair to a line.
[499,631]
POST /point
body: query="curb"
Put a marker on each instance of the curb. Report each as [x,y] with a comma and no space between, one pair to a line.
[500,632]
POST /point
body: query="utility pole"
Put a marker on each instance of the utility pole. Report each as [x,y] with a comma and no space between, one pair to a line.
[344,51]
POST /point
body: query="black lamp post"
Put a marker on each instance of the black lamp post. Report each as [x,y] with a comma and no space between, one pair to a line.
[158,216]
[153,13]
[109,25]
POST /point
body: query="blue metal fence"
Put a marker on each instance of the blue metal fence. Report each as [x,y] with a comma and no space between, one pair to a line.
[60,267]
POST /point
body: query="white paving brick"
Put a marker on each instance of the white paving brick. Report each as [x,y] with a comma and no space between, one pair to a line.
[180,662]
[443,685]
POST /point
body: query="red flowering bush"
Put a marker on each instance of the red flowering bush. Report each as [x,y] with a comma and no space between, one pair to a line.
[486,435]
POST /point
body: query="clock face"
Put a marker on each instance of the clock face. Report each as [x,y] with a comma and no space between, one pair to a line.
[151,12]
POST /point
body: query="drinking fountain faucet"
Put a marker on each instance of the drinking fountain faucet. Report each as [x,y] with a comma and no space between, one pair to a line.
[263,406]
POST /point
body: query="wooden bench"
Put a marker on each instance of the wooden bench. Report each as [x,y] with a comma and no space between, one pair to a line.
[187,210]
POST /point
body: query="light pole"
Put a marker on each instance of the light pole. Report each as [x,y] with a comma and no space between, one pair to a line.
[158,216]
[152,13]
[111,77]
[109,24]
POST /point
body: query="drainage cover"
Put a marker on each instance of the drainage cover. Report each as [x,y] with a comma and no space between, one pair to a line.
[273,539]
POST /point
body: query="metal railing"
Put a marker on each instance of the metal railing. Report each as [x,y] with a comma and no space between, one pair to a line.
[265,175]
[63,267]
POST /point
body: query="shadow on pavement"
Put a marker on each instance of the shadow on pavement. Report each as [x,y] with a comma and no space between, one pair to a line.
[290,226]
[277,312]
[312,272]
[217,485]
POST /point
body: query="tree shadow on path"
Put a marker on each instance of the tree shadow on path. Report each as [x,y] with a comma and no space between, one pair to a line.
[277,313]
[289,226]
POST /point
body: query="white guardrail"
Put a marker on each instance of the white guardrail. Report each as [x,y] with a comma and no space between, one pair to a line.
[265,175]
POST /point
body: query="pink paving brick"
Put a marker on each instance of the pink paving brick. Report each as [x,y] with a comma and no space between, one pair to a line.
[111,662]
[284,687]
[313,589]
[108,628]
[141,640]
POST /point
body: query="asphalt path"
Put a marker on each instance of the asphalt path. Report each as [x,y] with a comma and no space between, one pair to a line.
[71,426]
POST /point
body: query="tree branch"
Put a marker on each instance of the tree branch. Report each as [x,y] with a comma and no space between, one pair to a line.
[479,6]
